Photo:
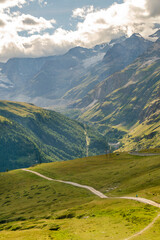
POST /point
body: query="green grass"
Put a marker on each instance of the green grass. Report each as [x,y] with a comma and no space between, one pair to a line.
[98,219]
[24,194]
[152,233]
[34,208]
[116,174]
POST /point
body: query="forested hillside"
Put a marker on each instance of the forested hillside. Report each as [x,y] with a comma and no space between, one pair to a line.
[31,135]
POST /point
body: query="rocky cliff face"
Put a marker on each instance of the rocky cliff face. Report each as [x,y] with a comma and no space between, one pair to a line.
[118,56]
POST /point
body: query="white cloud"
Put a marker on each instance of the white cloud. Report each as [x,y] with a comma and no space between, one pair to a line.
[33,24]
[153,6]
[11,3]
[96,26]
[18,22]
[82,12]
[2,23]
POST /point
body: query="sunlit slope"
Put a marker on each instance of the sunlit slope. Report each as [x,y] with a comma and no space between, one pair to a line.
[29,135]
[135,101]
[34,208]
[144,134]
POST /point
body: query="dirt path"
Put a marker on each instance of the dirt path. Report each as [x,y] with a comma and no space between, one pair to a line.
[91,189]
[143,200]
[94,191]
[145,229]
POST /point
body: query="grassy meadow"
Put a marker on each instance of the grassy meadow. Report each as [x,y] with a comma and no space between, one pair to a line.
[116,174]
[34,208]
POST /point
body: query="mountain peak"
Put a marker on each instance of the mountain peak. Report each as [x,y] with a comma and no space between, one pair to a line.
[76,50]
[156,34]
[136,35]
[117,40]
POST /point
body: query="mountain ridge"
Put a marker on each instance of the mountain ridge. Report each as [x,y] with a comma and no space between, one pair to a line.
[134,97]
[61,77]
[95,85]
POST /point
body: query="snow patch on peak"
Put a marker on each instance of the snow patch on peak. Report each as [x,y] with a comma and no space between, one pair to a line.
[93,60]
[137,35]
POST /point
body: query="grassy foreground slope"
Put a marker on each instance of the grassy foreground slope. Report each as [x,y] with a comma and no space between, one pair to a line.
[116,174]
[35,208]
[29,135]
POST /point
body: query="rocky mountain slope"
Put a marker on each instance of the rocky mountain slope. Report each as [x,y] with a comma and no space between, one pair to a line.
[45,79]
[119,55]
[126,99]
[63,79]
[30,135]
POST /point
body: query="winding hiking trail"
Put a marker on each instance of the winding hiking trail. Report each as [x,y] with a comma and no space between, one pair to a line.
[101,195]
[142,200]
[91,189]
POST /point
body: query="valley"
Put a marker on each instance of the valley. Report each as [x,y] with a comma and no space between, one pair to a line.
[56,182]
[79,120]
[31,135]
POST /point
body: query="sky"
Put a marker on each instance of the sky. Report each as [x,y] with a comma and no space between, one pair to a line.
[35,28]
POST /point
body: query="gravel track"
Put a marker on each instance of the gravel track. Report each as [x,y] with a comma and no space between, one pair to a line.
[91,189]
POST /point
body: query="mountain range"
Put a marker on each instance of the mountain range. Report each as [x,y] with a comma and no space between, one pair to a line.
[113,86]
[55,79]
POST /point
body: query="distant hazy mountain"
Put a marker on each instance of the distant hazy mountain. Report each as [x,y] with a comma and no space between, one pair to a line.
[15,75]
[31,135]
[156,34]
[60,74]
[125,52]
[122,53]
[48,77]
[67,77]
